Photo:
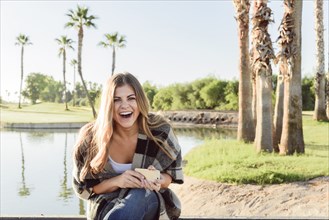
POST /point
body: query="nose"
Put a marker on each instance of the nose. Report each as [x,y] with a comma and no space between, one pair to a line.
[124,104]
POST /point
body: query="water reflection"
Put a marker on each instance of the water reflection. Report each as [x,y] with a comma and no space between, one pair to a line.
[206,133]
[44,151]
[66,191]
[23,190]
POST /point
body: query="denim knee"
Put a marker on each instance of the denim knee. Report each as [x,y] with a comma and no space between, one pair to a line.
[138,204]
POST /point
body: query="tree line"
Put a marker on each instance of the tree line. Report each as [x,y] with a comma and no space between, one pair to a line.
[204,93]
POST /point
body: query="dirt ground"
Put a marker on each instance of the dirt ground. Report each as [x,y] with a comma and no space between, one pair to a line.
[202,198]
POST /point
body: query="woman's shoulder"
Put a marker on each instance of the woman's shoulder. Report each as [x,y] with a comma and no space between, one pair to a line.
[159,124]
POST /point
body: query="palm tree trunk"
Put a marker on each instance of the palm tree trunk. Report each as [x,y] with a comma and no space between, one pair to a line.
[80,38]
[278,113]
[22,75]
[246,127]
[320,106]
[292,139]
[113,59]
[64,79]
[262,54]
[74,84]
[254,99]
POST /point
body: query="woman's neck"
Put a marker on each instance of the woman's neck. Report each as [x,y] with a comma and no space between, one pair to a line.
[126,132]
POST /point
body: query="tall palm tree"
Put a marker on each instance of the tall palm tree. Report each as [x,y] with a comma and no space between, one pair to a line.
[292,139]
[320,99]
[74,63]
[22,40]
[64,43]
[286,51]
[262,55]
[80,19]
[114,41]
[246,127]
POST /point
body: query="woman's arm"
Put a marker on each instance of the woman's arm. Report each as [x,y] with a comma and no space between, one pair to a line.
[128,179]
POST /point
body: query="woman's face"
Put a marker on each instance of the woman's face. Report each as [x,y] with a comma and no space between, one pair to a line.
[126,110]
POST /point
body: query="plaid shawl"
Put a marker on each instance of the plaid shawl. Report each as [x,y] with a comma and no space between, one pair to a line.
[146,154]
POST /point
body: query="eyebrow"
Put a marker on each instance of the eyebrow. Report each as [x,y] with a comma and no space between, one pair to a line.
[127,96]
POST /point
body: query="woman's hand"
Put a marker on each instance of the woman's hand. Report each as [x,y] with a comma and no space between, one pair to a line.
[130,179]
[163,182]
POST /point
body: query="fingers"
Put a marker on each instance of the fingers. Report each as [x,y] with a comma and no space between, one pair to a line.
[151,185]
[131,179]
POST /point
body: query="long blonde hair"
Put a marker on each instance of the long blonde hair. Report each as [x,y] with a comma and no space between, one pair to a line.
[102,130]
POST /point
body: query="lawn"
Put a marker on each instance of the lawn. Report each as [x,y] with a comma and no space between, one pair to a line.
[44,113]
[236,162]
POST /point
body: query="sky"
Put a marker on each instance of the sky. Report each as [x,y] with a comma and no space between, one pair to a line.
[167,41]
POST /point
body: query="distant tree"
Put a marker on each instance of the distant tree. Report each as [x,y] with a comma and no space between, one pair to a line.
[150,90]
[246,127]
[74,63]
[163,99]
[35,84]
[213,93]
[262,55]
[114,41]
[231,95]
[308,97]
[64,43]
[195,96]
[80,19]
[320,98]
[22,40]
[292,139]
[53,91]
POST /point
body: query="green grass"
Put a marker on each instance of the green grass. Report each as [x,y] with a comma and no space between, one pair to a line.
[235,162]
[44,113]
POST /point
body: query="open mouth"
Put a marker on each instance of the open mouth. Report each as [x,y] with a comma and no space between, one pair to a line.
[125,114]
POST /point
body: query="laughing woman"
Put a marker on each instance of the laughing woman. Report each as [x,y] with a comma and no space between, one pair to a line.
[126,136]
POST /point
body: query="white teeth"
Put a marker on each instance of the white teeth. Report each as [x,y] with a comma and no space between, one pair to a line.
[125,113]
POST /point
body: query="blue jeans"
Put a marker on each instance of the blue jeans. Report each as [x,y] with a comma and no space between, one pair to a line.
[139,204]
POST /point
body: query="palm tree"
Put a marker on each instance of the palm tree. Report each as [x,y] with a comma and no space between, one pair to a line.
[114,41]
[64,43]
[246,126]
[292,139]
[284,42]
[22,40]
[320,102]
[80,19]
[74,62]
[262,55]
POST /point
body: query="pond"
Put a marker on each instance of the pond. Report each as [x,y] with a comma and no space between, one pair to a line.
[36,169]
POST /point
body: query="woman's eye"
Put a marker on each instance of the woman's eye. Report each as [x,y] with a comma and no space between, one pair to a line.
[131,98]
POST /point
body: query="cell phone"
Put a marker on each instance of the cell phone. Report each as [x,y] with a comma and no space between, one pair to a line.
[150,175]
